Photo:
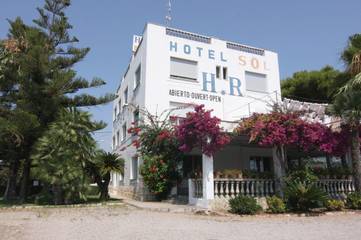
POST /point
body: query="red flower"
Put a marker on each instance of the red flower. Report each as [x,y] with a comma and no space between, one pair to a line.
[136,143]
[200,129]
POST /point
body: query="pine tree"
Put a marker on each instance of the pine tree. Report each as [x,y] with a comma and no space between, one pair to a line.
[41,80]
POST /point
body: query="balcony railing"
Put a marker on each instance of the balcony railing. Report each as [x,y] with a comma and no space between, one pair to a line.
[247,187]
[228,188]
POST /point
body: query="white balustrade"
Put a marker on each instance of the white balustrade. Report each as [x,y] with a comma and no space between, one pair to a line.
[197,190]
[229,187]
[336,188]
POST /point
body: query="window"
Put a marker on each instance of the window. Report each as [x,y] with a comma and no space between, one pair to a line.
[126,96]
[260,164]
[136,117]
[225,74]
[119,104]
[115,113]
[183,69]
[124,130]
[134,168]
[256,82]
[118,139]
[137,77]
[218,71]
[114,142]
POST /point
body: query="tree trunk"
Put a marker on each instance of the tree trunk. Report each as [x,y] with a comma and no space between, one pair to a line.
[58,194]
[25,181]
[355,155]
[104,188]
[344,162]
[279,168]
[10,192]
[328,162]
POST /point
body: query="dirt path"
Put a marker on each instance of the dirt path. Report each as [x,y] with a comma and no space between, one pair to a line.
[124,223]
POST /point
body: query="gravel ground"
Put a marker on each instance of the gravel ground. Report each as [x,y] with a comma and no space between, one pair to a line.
[126,223]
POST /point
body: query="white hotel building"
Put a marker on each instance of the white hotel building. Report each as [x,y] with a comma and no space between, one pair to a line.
[170,68]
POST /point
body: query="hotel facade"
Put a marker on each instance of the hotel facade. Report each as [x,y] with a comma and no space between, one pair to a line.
[170,69]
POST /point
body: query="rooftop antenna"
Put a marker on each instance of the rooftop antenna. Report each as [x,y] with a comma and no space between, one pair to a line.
[168,17]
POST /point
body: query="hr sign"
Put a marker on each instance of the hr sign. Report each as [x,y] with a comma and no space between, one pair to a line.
[209,79]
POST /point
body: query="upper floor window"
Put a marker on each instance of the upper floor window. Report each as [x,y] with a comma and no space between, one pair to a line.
[225,73]
[134,168]
[120,104]
[137,77]
[126,96]
[118,139]
[183,69]
[115,112]
[124,131]
[256,82]
[136,117]
[218,71]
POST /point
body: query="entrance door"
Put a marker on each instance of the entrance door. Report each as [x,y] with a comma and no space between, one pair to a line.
[191,167]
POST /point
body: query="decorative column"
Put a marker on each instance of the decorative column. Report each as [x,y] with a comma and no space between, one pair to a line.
[208,179]
[115,179]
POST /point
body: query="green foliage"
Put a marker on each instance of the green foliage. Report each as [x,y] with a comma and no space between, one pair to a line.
[353,201]
[158,148]
[318,86]
[335,205]
[303,174]
[99,169]
[157,137]
[38,79]
[156,174]
[244,205]
[353,47]
[62,152]
[347,105]
[276,205]
[304,197]
[107,162]
[301,192]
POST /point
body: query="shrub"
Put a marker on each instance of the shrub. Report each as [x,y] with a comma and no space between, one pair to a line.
[353,201]
[156,175]
[303,174]
[304,197]
[335,205]
[276,205]
[244,205]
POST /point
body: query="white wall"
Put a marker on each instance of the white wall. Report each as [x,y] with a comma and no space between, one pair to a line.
[153,94]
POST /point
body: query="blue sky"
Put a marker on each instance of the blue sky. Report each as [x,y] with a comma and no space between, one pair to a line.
[306,34]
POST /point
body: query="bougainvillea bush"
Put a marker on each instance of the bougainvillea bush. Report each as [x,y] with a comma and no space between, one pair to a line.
[157,174]
[161,144]
[200,130]
[158,147]
[287,129]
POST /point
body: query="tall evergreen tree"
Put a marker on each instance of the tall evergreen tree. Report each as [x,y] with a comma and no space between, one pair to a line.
[42,80]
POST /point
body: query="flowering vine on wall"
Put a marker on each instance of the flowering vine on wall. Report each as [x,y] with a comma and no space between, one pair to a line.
[289,129]
[200,130]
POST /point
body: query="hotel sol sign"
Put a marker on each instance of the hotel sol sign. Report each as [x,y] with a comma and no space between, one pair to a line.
[209,83]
